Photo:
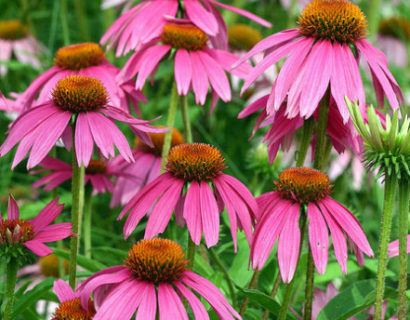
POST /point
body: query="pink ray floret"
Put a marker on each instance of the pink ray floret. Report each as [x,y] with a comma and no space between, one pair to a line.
[394,247]
[33,233]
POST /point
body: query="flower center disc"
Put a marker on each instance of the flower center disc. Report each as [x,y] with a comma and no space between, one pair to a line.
[79,56]
[15,231]
[184,36]
[336,20]
[72,310]
[156,260]
[195,161]
[395,27]
[49,266]
[158,141]
[12,30]
[303,185]
[243,37]
[79,94]
[96,167]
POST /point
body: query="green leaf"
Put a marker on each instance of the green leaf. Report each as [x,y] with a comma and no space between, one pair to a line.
[82,261]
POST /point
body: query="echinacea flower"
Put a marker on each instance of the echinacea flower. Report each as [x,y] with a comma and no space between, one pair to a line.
[16,233]
[40,127]
[16,39]
[196,168]
[394,247]
[320,62]
[145,169]
[98,172]
[144,22]
[70,304]
[153,281]
[280,213]
[196,64]
[85,59]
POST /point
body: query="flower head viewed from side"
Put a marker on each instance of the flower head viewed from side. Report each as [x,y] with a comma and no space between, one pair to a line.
[16,233]
[98,173]
[196,64]
[153,280]
[86,98]
[196,168]
[320,61]
[70,304]
[84,59]
[145,22]
[280,213]
[16,39]
[145,169]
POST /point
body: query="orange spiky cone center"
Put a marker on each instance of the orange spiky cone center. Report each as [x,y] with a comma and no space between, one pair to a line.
[158,141]
[49,266]
[243,37]
[79,56]
[15,231]
[184,36]
[72,310]
[12,30]
[96,167]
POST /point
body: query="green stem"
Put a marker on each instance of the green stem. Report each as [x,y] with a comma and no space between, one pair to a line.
[77,206]
[289,288]
[373,17]
[12,268]
[172,111]
[310,279]
[64,22]
[81,19]
[228,280]
[307,132]
[251,285]
[87,220]
[389,196]
[185,119]
[191,252]
[275,288]
[320,148]
[404,198]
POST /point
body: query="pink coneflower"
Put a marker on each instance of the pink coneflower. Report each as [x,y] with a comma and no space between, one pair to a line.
[321,60]
[195,168]
[196,64]
[282,128]
[145,22]
[153,280]
[15,38]
[40,127]
[341,163]
[85,59]
[98,172]
[34,232]
[145,169]
[70,304]
[394,247]
[280,212]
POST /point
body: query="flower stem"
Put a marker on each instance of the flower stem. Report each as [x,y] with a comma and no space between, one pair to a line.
[12,268]
[87,220]
[305,142]
[170,124]
[185,119]
[404,198]
[251,285]
[310,279]
[288,291]
[320,149]
[228,280]
[191,252]
[275,288]
[77,206]
[389,196]
[373,17]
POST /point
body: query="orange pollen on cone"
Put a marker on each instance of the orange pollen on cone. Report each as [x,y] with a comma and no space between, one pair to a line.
[96,167]
[158,141]
[243,37]
[79,94]
[303,185]
[195,161]
[72,310]
[156,260]
[396,27]
[336,20]
[184,36]
[12,30]
[49,266]
[15,231]
[79,56]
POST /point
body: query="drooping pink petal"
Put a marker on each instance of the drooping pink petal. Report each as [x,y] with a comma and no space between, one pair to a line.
[47,215]
[203,19]
[197,307]
[84,143]
[209,214]
[199,78]
[170,304]
[192,209]
[288,245]
[318,237]
[38,248]
[227,59]
[183,71]
[148,307]
[394,247]
[54,232]
[64,291]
